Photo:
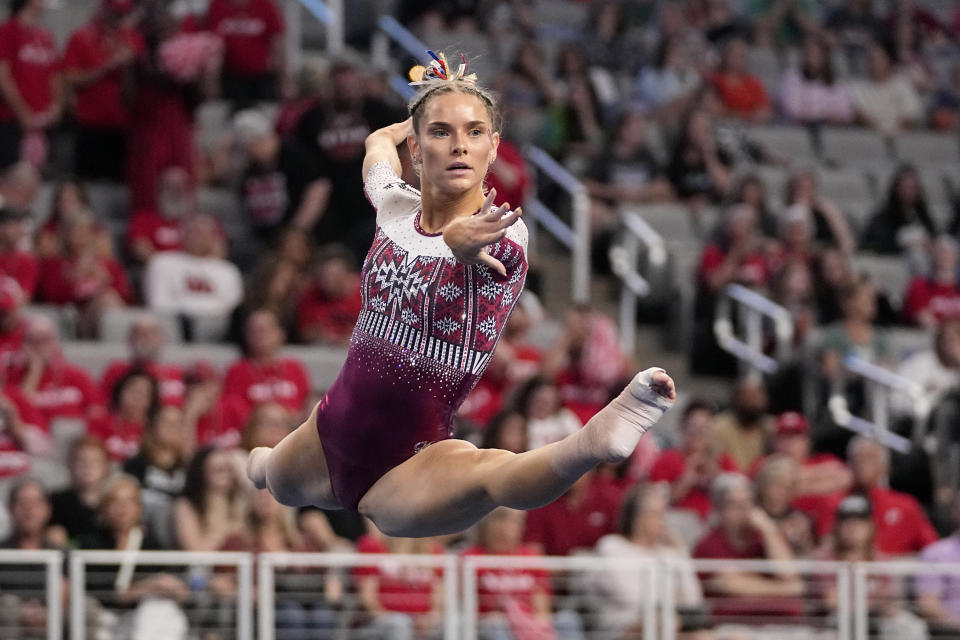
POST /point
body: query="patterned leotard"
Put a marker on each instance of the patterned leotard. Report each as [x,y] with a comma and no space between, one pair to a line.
[426,334]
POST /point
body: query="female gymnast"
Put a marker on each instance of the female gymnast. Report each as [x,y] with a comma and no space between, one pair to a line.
[439,282]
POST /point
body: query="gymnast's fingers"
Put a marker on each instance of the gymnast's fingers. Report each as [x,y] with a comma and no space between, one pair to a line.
[487,202]
[493,263]
[511,218]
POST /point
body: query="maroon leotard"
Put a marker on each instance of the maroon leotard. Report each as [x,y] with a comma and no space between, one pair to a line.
[426,334]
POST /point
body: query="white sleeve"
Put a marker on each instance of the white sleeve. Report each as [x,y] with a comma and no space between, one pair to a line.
[157,283]
[389,195]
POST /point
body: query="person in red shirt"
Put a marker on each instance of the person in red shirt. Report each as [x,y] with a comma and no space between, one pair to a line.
[252,33]
[509,174]
[23,433]
[153,230]
[930,300]
[13,326]
[30,91]
[576,520]
[328,310]
[146,341]
[133,403]
[99,66]
[741,94]
[691,467]
[263,375]
[215,419]
[59,389]
[902,526]
[14,261]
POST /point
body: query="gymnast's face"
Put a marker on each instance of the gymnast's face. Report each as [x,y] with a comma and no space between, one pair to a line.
[455,142]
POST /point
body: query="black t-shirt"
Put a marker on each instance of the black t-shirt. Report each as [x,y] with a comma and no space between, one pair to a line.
[689,175]
[77,518]
[636,171]
[152,478]
[271,195]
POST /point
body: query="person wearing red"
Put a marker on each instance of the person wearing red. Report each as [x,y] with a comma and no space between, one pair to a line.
[263,375]
[159,229]
[580,517]
[215,419]
[133,403]
[59,389]
[13,326]
[509,175]
[16,263]
[146,340]
[252,33]
[24,434]
[930,300]
[30,91]
[902,525]
[99,66]
[741,94]
[328,309]
[691,467]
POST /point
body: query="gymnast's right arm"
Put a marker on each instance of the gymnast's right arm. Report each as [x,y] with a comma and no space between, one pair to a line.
[381,146]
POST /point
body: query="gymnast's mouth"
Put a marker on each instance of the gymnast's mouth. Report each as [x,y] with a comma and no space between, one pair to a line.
[458,166]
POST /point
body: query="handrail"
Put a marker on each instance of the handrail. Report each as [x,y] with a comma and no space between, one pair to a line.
[579,231]
[388,28]
[53,562]
[330,13]
[623,263]
[752,309]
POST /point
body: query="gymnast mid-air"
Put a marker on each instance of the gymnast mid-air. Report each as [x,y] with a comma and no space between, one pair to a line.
[438,284]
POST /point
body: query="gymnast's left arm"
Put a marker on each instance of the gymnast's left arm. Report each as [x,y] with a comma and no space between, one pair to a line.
[470,236]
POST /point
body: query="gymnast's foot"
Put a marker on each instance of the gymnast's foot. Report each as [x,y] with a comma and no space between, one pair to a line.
[257,466]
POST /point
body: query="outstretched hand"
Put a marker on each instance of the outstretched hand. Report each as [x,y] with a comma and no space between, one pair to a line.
[469,236]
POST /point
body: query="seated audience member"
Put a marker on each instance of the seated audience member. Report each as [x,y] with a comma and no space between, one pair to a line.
[750,189]
[196,284]
[576,520]
[75,508]
[938,599]
[667,87]
[744,532]
[812,94]
[776,489]
[741,94]
[743,431]
[30,513]
[253,60]
[121,512]
[642,533]
[931,299]
[160,467]
[944,109]
[699,170]
[903,222]
[885,100]
[13,323]
[70,199]
[264,374]
[19,185]
[511,598]
[151,231]
[507,431]
[24,434]
[692,465]
[738,257]
[267,425]
[279,278]
[830,226]
[59,389]
[146,341]
[329,307]
[16,263]
[547,419]
[210,509]
[212,418]
[134,402]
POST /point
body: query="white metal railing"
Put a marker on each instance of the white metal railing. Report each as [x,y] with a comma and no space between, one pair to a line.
[52,561]
[126,563]
[635,282]
[390,30]
[270,563]
[752,309]
[329,12]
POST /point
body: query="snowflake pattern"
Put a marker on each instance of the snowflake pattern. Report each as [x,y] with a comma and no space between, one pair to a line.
[507,298]
[450,291]
[488,327]
[409,317]
[490,290]
[378,304]
[447,325]
[400,280]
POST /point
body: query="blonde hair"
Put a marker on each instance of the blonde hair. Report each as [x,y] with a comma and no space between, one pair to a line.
[432,88]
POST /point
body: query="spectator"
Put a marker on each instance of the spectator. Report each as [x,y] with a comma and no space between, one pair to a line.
[59,389]
[160,468]
[336,131]
[253,54]
[751,190]
[30,511]
[643,533]
[744,532]
[282,184]
[885,101]
[70,199]
[80,275]
[99,67]
[527,89]
[280,277]
[210,509]
[267,425]
[16,263]
[698,169]
[833,273]
[31,95]
[902,526]
[782,23]
[905,42]
[508,431]
[691,467]
[212,418]
[853,26]
[159,229]
[830,226]
[776,487]
[904,221]
[24,434]
[812,94]
[13,324]
[19,184]
[576,520]
[930,300]
[145,340]
[75,508]
[743,431]
[936,600]
[667,87]
[945,103]
[263,375]
[328,309]
[196,284]
[121,511]
[573,128]
[509,175]
[548,420]
[741,94]
[605,38]
[510,598]
[796,240]
[133,404]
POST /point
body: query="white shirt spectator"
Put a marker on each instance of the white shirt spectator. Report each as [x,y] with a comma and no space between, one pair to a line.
[936,381]
[177,282]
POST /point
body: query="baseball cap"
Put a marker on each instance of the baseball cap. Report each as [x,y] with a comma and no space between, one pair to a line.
[854,506]
[11,295]
[792,423]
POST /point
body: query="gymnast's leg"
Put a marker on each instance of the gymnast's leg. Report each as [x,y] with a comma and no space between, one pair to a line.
[451,485]
[295,471]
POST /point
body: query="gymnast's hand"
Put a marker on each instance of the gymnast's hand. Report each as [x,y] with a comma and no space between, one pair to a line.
[469,236]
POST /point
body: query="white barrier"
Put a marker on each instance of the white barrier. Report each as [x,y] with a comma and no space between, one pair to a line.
[52,563]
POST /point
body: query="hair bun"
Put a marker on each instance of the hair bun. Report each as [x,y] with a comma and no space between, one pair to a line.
[439,71]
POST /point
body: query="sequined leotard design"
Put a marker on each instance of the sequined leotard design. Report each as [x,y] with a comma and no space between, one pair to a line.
[426,334]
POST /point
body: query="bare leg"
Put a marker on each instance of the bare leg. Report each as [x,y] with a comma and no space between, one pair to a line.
[295,471]
[451,485]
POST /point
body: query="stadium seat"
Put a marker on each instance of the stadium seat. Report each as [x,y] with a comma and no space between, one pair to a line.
[109,200]
[64,318]
[791,142]
[221,203]
[904,342]
[935,149]
[845,185]
[891,273]
[852,146]
[115,324]
[213,120]
[64,432]
[672,221]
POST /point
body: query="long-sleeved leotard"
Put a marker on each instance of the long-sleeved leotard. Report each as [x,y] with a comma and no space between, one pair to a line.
[427,331]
